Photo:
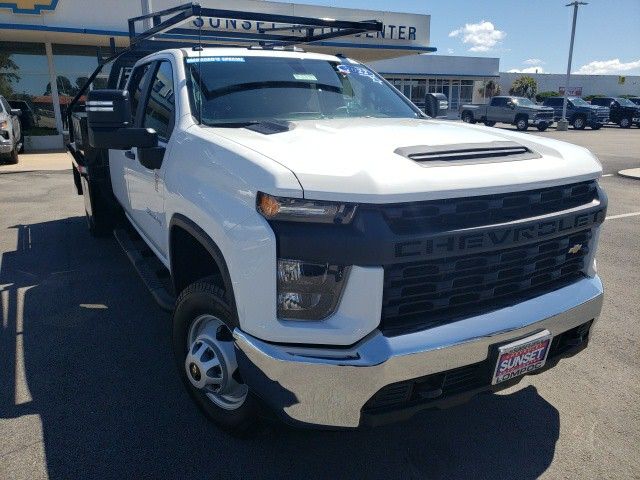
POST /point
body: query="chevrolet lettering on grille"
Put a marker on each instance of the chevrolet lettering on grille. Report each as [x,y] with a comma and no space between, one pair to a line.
[498,237]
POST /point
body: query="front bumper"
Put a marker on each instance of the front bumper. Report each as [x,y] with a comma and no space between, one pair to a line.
[330,386]
[6,146]
[541,121]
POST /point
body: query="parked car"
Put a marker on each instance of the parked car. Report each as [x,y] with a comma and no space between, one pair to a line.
[27,118]
[622,111]
[518,111]
[327,250]
[580,113]
[10,131]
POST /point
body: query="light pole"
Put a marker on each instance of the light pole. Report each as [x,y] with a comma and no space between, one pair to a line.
[563,124]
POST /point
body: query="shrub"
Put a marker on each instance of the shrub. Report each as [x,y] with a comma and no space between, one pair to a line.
[525,86]
[540,97]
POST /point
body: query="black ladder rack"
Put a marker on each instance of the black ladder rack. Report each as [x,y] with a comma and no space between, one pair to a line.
[279,31]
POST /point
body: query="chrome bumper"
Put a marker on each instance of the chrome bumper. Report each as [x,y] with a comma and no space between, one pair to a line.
[329,386]
[5,145]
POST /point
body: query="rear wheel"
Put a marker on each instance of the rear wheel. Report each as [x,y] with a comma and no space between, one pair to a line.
[206,360]
[625,122]
[489,123]
[467,117]
[522,123]
[596,126]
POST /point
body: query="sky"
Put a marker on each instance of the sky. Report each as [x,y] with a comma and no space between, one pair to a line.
[528,35]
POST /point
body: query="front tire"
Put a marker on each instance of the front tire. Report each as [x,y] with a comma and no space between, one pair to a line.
[205,357]
[489,123]
[625,122]
[542,127]
[13,156]
[596,126]
[522,124]
[579,123]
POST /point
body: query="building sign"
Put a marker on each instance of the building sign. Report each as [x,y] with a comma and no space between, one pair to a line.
[391,32]
[571,91]
[30,6]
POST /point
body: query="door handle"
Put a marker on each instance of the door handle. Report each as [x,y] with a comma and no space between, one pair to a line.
[129,154]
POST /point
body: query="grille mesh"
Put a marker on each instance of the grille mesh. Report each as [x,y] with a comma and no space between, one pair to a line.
[440,215]
[419,295]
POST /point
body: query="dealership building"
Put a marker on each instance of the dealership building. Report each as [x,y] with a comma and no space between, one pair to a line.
[48,48]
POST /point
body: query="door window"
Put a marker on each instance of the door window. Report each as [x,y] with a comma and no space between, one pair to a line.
[159,112]
[136,88]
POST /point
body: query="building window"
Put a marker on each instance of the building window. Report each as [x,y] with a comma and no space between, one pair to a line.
[73,65]
[25,82]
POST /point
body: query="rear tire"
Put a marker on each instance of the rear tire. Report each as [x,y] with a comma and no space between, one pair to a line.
[596,126]
[579,123]
[522,124]
[489,123]
[467,117]
[625,122]
[238,415]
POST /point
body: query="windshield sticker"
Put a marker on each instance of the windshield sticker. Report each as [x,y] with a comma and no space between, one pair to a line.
[214,59]
[357,70]
[308,77]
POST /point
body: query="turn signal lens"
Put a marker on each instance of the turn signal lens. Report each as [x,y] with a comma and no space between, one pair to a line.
[301,210]
[4,124]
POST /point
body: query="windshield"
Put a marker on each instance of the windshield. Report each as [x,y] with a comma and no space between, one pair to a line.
[236,90]
[524,102]
[579,102]
[625,103]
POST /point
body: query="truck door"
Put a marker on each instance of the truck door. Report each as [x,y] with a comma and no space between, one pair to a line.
[120,161]
[498,110]
[145,187]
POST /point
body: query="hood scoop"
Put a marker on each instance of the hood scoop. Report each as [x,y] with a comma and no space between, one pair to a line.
[466,153]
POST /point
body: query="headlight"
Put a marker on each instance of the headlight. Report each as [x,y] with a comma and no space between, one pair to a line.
[308,291]
[301,210]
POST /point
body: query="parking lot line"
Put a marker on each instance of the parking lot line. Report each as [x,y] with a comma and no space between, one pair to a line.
[608,175]
[623,215]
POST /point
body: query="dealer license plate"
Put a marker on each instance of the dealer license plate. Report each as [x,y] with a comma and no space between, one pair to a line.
[521,357]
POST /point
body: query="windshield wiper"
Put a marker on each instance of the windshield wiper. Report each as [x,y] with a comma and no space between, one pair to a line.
[266,127]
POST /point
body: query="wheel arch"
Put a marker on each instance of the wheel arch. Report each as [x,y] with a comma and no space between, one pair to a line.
[182,274]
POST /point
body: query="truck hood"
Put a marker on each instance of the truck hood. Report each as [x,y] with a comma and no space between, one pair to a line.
[355,160]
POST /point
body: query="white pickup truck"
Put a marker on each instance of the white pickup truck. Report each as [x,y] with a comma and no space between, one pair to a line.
[336,256]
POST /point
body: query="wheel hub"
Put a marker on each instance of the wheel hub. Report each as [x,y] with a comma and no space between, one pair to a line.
[210,363]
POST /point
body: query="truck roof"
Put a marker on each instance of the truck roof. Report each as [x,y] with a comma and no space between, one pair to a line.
[255,52]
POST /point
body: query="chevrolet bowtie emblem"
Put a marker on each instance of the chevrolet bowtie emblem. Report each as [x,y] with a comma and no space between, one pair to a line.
[29,6]
[576,248]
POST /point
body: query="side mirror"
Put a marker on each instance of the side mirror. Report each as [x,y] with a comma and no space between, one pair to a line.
[511,105]
[109,122]
[16,111]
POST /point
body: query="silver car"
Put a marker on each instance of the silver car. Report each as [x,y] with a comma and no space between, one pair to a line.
[10,135]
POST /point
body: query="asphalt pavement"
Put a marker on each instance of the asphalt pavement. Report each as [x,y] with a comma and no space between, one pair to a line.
[88,387]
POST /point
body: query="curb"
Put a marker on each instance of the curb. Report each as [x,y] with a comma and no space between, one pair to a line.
[633,173]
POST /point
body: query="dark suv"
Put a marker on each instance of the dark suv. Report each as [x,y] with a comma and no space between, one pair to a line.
[579,112]
[622,111]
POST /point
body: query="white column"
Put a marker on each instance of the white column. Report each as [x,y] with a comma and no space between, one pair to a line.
[54,88]
[146,9]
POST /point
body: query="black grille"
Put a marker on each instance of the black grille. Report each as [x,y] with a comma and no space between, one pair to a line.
[420,295]
[448,214]
[474,377]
